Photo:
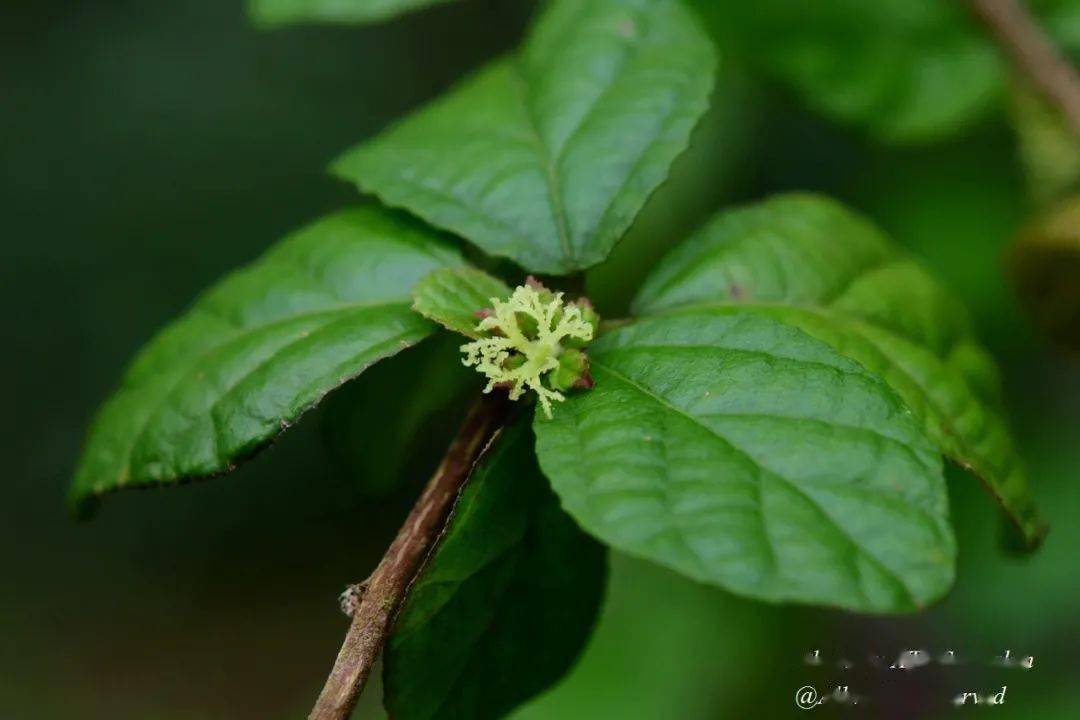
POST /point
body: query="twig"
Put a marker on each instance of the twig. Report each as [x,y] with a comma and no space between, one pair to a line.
[385,589]
[1033,53]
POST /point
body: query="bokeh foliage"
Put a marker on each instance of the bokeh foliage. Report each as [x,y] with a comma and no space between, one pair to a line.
[175,168]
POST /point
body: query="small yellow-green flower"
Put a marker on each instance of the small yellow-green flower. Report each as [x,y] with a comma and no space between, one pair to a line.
[531,337]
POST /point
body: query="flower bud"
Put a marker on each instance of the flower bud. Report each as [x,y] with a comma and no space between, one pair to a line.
[573,367]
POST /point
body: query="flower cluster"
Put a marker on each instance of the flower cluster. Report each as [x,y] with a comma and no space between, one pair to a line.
[533,342]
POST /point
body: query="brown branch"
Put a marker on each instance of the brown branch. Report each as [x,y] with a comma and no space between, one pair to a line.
[386,588]
[1034,55]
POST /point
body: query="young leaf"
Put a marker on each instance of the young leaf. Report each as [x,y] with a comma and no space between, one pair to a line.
[545,157]
[746,454]
[506,603]
[907,70]
[453,296]
[285,12]
[1046,267]
[809,262]
[260,348]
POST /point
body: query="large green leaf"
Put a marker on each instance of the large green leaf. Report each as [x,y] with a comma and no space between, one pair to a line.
[425,392]
[284,12]
[808,261]
[545,157]
[746,454]
[506,603]
[260,348]
[453,296]
[905,69]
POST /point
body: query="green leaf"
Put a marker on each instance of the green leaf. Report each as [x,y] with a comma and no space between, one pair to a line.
[807,261]
[285,12]
[907,70]
[427,391]
[506,603]
[1046,269]
[453,296]
[1048,147]
[746,454]
[260,348]
[545,157]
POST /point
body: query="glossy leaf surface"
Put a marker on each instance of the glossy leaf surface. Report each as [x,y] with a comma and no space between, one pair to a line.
[452,297]
[506,603]
[809,262]
[746,454]
[545,157]
[287,12]
[260,348]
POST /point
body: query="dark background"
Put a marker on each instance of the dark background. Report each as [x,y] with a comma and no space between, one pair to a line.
[147,148]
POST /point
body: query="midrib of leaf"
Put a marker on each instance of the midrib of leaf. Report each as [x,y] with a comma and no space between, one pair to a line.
[552,160]
[763,473]
[558,209]
[737,350]
[842,319]
[165,392]
[777,416]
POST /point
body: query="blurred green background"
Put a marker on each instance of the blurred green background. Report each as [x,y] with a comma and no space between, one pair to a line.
[147,148]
